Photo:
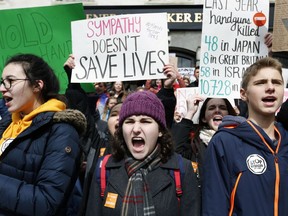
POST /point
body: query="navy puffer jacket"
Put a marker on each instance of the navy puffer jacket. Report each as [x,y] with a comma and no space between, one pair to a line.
[39,168]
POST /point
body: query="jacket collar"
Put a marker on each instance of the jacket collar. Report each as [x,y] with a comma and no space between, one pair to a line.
[172,163]
[73,117]
[119,178]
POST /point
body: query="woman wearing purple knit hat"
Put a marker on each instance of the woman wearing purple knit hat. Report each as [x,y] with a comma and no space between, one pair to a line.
[143,176]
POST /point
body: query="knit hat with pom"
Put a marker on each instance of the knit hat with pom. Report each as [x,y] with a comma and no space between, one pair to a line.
[143,103]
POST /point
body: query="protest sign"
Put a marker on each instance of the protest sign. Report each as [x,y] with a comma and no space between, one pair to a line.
[280,26]
[188,72]
[285,97]
[182,94]
[173,59]
[43,31]
[124,47]
[232,39]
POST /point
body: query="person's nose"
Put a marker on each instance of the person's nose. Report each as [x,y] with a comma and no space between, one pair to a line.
[217,110]
[137,127]
[2,87]
[270,87]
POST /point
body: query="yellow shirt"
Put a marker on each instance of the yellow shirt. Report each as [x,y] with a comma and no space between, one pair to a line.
[19,124]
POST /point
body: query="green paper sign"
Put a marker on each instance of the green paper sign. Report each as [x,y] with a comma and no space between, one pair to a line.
[43,31]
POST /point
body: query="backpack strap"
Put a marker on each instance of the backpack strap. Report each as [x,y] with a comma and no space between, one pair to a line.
[102,167]
[178,173]
[177,180]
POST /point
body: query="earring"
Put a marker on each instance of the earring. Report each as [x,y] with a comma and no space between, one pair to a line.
[160,134]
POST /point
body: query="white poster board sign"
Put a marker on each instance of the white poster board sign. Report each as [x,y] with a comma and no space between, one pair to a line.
[280,26]
[284,98]
[189,72]
[123,47]
[182,95]
[232,39]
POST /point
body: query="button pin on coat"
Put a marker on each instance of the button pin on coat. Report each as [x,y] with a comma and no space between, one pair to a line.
[68,149]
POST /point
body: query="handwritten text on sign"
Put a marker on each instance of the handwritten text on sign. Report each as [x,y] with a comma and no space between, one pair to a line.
[37,30]
[124,47]
[232,39]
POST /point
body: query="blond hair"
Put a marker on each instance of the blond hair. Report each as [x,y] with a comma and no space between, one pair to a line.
[253,69]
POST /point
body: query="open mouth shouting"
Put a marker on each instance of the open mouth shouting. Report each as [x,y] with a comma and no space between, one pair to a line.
[138,144]
[217,120]
[7,99]
[269,100]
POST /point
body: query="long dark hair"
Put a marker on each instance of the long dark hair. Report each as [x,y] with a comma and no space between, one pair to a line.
[195,141]
[119,147]
[35,68]
[230,110]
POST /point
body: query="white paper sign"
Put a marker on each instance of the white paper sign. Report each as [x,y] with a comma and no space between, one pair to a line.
[124,47]
[232,39]
[182,95]
[189,71]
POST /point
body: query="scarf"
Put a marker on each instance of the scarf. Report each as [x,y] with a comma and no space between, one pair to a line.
[138,199]
[206,135]
[19,124]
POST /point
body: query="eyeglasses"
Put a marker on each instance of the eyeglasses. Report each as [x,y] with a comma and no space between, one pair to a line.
[8,82]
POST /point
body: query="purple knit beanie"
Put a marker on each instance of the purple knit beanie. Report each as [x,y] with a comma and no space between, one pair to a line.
[143,103]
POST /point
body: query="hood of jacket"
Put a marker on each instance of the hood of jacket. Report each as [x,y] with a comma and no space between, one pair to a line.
[69,116]
[239,127]
[73,117]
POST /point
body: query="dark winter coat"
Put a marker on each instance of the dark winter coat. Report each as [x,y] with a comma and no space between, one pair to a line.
[168,99]
[188,144]
[161,184]
[245,173]
[181,133]
[39,168]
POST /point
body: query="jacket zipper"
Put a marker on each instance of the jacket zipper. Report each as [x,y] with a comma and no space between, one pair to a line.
[277,172]
[276,198]
[232,196]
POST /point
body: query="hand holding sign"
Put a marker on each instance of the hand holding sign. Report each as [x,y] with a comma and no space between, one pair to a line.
[193,102]
[170,71]
[184,94]
[70,62]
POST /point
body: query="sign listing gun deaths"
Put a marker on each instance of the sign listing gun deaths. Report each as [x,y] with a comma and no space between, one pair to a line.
[232,39]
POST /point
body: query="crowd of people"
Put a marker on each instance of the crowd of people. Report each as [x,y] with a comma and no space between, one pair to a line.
[124,150]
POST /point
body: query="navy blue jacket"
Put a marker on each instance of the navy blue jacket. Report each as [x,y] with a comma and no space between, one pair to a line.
[39,168]
[245,173]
